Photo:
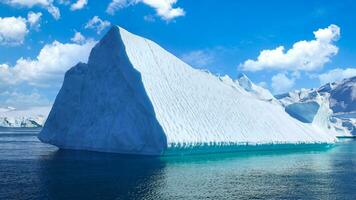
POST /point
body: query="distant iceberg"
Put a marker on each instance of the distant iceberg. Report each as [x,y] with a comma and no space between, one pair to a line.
[134,97]
[331,106]
[31,117]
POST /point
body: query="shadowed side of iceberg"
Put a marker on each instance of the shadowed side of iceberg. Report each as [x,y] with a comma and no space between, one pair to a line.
[66,106]
[103,106]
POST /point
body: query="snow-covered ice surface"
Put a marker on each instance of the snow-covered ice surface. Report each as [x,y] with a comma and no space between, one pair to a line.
[27,117]
[252,88]
[134,97]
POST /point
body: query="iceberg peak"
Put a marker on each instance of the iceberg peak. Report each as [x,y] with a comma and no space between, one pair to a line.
[245,82]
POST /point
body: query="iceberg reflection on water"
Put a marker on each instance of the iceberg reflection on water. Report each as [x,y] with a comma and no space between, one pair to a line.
[30,169]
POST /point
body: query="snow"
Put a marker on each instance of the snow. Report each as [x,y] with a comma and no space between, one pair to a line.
[258,91]
[26,117]
[135,97]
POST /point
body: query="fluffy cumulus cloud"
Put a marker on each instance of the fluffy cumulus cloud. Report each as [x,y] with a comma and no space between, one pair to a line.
[34,19]
[49,67]
[303,56]
[80,4]
[163,8]
[281,83]
[336,75]
[97,24]
[78,38]
[47,4]
[12,30]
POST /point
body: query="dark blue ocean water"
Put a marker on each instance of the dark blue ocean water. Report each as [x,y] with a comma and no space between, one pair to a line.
[32,170]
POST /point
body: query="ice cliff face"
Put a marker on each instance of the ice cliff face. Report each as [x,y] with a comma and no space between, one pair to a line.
[29,117]
[135,97]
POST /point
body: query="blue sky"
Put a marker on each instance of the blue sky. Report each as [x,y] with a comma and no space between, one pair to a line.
[216,35]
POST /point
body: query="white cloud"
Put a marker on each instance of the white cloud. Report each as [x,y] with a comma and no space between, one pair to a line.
[47,4]
[281,83]
[163,8]
[149,18]
[336,75]
[49,67]
[97,24]
[5,75]
[64,2]
[198,58]
[21,99]
[78,38]
[303,56]
[12,30]
[80,4]
[34,19]
[29,3]
[54,11]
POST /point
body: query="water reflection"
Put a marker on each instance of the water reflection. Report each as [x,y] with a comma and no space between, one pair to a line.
[89,175]
[251,175]
[32,170]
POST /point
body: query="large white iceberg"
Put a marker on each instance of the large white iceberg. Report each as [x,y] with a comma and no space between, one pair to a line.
[134,97]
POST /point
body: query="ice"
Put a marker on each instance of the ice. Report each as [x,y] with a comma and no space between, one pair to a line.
[330,106]
[343,96]
[249,86]
[134,97]
[24,117]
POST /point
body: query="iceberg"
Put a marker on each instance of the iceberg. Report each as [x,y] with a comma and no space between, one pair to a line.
[134,97]
[343,103]
[30,117]
[343,95]
[321,107]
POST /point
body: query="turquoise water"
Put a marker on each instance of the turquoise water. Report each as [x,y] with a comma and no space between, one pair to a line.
[32,170]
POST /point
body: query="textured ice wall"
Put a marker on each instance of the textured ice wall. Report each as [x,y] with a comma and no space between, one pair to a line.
[304,112]
[135,97]
[195,107]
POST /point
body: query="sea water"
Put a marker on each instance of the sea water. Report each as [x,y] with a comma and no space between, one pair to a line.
[32,170]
